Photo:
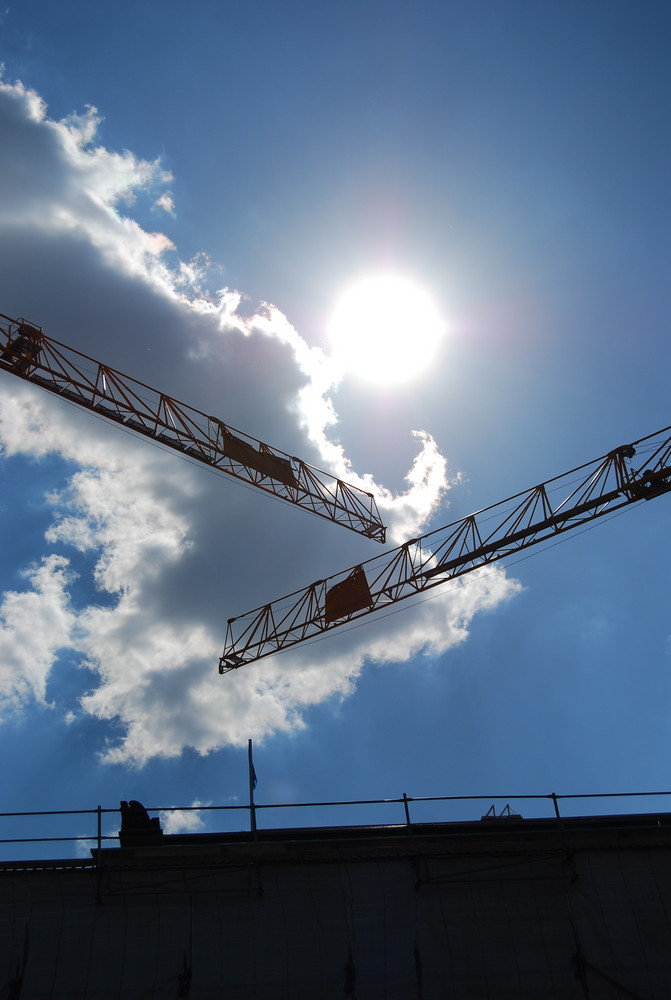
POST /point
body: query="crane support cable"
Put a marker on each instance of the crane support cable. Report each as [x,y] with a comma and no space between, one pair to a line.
[27,352]
[590,491]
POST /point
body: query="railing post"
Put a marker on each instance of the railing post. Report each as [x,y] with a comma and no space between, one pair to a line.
[555,803]
[99,856]
[407,814]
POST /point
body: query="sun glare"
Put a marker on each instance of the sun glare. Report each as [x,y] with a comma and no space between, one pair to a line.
[385,329]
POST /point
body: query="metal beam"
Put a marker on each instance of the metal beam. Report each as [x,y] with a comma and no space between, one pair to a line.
[494,533]
[25,351]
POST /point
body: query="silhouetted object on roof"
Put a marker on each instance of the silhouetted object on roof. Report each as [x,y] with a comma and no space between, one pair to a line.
[506,813]
[137,826]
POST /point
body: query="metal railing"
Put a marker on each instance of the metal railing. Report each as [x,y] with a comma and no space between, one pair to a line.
[403,811]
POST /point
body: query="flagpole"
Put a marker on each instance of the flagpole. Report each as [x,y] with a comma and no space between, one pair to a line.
[252,782]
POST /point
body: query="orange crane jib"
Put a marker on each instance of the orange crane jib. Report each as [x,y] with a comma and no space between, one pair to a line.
[27,352]
[627,475]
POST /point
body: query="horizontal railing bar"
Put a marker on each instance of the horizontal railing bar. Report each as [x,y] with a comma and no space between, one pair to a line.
[405,800]
[49,840]
[410,798]
[348,802]
[606,795]
[61,812]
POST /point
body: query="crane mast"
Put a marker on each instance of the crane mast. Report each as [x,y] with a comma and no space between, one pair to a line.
[27,352]
[630,473]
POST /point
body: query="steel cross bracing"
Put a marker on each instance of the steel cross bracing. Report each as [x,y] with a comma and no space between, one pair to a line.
[26,351]
[634,472]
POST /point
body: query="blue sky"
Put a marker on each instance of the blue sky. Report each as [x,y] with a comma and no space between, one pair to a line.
[510,159]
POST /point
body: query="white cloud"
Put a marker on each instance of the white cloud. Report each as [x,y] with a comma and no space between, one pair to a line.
[175,549]
[184,820]
[35,624]
[87,187]
[409,512]
[136,533]
[166,202]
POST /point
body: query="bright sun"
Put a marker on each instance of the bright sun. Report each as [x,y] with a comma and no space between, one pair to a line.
[385,329]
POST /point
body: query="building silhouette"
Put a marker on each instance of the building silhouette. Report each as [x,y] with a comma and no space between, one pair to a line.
[502,907]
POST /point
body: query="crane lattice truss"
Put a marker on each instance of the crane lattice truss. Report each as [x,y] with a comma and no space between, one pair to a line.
[26,351]
[639,471]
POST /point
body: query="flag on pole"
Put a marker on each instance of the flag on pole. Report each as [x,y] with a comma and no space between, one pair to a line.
[252,770]
[252,786]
